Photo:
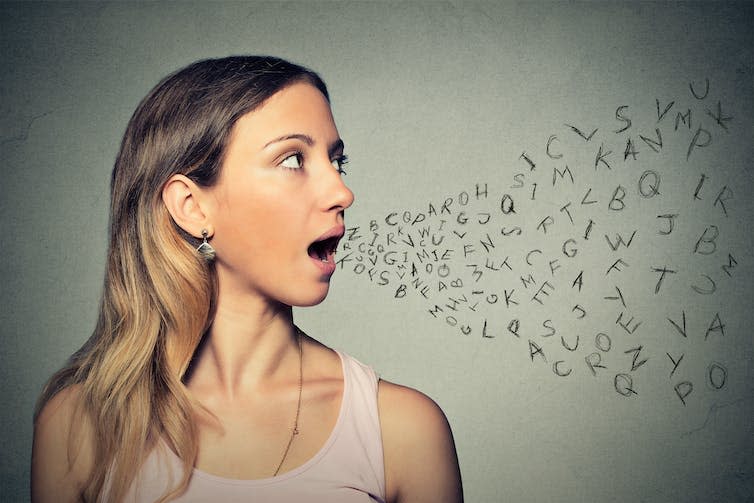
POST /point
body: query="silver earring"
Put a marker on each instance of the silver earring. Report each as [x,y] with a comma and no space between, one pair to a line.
[205,249]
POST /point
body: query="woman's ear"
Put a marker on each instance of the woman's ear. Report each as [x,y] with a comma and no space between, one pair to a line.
[183,200]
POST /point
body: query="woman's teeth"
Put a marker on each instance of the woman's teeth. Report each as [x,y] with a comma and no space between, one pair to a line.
[326,256]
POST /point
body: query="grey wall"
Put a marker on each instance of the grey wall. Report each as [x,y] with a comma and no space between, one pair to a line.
[435,100]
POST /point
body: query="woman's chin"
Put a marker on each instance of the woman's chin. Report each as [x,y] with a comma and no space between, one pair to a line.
[310,299]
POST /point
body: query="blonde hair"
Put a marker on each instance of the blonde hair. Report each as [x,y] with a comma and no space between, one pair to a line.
[158,291]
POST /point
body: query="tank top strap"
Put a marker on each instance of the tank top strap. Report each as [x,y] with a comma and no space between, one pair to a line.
[359,441]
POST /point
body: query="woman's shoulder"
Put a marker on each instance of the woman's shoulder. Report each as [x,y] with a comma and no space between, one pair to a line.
[420,456]
[60,404]
[62,450]
[60,417]
[403,403]
[411,412]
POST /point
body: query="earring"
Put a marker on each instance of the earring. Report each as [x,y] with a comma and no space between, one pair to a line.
[205,249]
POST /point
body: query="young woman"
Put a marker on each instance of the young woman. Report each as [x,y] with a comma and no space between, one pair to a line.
[227,207]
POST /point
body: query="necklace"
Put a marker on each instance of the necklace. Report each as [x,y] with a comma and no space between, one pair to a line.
[294,432]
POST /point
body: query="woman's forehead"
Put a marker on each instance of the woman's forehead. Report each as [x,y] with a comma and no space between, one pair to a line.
[298,108]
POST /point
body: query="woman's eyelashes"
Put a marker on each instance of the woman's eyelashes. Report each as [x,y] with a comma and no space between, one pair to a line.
[339,162]
[295,161]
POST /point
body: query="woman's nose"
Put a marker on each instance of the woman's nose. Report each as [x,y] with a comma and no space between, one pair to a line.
[338,195]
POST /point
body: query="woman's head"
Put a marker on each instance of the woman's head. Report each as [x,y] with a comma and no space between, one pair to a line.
[182,127]
[275,212]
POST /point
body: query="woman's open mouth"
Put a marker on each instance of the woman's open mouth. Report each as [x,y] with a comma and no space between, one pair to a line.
[324,250]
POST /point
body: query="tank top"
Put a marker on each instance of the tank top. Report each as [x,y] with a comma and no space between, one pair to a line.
[347,469]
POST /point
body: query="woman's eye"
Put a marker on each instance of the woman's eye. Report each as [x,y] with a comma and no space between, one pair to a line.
[293,161]
[339,162]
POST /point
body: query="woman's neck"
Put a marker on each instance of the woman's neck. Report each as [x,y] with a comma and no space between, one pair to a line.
[252,341]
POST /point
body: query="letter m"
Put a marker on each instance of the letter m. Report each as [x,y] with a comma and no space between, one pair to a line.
[556,172]
[528,281]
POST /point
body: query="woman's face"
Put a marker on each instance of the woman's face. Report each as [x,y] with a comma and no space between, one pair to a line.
[277,208]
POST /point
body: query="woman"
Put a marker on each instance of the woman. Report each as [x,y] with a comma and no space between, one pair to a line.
[227,207]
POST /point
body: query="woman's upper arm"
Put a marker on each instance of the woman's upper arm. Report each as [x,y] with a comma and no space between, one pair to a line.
[420,456]
[59,460]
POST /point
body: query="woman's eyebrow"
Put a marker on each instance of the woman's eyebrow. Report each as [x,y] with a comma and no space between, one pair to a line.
[337,146]
[304,138]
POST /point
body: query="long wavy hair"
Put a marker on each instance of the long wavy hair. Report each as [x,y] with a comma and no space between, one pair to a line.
[159,292]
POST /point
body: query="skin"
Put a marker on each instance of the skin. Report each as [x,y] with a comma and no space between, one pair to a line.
[279,190]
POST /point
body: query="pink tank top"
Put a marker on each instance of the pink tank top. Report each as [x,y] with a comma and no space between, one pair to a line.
[348,469]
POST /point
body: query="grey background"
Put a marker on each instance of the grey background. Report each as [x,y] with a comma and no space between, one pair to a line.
[432,99]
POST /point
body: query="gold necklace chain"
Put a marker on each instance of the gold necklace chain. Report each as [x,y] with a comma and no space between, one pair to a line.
[294,432]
